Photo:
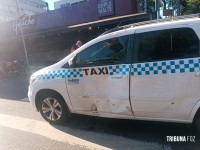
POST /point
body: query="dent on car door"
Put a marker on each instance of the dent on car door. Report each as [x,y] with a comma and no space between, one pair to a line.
[102,84]
[163,82]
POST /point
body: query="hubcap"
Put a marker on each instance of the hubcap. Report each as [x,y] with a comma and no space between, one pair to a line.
[52,109]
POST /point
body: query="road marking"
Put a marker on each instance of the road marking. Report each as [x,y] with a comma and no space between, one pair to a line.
[45,129]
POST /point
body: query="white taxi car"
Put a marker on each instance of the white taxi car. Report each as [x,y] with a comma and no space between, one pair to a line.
[145,71]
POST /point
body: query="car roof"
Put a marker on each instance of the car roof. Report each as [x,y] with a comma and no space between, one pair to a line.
[154,23]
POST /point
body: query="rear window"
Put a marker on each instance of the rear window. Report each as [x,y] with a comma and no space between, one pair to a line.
[167,44]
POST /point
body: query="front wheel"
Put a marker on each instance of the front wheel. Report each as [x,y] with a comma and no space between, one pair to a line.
[53,109]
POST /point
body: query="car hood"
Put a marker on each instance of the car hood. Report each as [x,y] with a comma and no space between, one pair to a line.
[47,69]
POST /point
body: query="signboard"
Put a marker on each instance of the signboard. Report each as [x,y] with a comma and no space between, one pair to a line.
[24,21]
[167,12]
[105,8]
[61,18]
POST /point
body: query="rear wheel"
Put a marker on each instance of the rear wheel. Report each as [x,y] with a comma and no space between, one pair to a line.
[197,123]
[20,70]
[53,109]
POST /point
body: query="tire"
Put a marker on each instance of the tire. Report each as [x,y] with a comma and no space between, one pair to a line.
[197,123]
[53,109]
[20,70]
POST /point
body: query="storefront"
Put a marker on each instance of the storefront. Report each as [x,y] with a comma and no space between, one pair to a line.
[50,35]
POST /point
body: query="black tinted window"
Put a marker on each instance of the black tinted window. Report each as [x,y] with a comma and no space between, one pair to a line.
[112,51]
[167,44]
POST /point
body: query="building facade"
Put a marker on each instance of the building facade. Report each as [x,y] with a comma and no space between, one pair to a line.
[8,8]
[65,3]
[49,36]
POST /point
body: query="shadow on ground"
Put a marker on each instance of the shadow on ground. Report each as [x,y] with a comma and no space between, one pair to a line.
[137,132]
[13,87]
[111,133]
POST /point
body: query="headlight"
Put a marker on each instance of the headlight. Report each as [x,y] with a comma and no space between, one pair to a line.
[32,79]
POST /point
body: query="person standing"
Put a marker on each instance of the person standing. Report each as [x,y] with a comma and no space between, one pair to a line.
[76,46]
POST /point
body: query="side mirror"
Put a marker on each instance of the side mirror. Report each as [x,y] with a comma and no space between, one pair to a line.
[72,62]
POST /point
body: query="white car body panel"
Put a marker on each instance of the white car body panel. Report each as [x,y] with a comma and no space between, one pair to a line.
[100,93]
[57,84]
[166,95]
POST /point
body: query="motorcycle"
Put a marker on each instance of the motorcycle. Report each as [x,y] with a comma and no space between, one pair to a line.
[17,67]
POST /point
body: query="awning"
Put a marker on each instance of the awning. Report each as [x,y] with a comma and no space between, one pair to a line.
[109,21]
[113,20]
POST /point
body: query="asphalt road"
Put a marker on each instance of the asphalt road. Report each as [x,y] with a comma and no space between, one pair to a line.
[22,128]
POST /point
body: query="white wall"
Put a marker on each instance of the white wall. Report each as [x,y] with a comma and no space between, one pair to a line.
[29,7]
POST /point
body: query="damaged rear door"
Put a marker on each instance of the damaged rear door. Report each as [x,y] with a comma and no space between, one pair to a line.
[103,82]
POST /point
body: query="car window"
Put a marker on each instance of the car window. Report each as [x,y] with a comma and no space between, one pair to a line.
[111,51]
[168,44]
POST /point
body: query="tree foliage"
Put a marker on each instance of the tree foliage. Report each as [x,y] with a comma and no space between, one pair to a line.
[190,6]
[186,6]
[150,5]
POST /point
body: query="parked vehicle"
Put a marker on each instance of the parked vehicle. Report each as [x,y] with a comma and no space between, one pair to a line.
[7,66]
[145,71]
[17,67]
[1,67]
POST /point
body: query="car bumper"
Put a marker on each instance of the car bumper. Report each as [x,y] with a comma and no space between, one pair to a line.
[31,96]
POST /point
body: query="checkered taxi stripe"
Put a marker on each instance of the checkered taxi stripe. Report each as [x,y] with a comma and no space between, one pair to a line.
[166,67]
[152,68]
[64,73]
[119,69]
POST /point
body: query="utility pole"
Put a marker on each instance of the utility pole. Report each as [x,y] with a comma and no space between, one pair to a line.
[157,8]
[145,6]
[22,33]
[178,8]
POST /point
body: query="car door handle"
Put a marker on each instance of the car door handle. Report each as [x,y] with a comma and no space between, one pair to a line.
[197,74]
[116,76]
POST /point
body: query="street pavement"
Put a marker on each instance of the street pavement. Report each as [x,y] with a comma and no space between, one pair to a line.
[22,128]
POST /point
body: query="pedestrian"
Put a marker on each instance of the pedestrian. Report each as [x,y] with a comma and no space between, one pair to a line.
[76,46]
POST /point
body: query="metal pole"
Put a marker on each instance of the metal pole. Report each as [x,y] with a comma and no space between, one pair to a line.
[157,8]
[178,9]
[145,6]
[22,33]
